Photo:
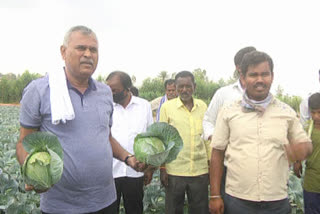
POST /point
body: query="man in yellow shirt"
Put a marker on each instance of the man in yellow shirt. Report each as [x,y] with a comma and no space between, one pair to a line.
[258,135]
[189,172]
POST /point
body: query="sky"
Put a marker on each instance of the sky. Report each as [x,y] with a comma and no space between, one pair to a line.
[145,37]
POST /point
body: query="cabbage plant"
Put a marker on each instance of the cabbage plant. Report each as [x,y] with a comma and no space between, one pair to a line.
[43,166]
[160,144]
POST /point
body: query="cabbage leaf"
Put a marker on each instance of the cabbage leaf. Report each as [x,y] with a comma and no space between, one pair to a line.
[43,166]
[170,138]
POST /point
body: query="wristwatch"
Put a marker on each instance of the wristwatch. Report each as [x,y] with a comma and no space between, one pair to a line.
[126,159]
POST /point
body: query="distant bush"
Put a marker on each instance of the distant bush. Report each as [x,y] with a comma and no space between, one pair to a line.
[11,86]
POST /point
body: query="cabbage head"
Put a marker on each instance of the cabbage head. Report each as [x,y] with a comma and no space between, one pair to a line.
[43,166]
[147,146]
[160,144]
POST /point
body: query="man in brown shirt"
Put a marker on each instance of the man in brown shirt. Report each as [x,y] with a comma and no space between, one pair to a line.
[258,135]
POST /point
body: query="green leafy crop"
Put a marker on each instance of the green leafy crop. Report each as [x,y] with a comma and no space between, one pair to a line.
[44,165]
[161,143]
[147,146]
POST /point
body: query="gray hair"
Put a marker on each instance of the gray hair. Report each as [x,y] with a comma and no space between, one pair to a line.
[79,28]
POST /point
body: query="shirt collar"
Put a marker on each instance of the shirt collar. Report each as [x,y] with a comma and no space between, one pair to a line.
[180,103]
[238,85]
[133,100]
[91,85]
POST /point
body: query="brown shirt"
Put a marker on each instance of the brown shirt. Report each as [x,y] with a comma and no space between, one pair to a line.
[255,155]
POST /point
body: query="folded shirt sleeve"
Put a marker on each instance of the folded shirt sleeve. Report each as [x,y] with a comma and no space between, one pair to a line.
[30,116]
[221,134]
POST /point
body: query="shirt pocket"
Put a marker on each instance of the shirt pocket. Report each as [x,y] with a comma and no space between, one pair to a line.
[198,128]
[275,131]
[105,115]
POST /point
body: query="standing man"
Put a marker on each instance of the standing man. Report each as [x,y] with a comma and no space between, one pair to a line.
[305,114]
[258,136]
[171,93]
[225,94]
[131,116]
[87,184]
[189,172]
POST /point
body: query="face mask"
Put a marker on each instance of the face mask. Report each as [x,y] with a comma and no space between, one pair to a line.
[118,97]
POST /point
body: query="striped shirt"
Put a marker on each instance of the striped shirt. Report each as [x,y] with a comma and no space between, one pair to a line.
[163,100]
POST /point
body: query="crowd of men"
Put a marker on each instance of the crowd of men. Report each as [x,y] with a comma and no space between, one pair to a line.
[241,145]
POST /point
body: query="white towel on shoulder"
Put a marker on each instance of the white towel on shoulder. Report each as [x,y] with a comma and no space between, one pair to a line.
[61,106]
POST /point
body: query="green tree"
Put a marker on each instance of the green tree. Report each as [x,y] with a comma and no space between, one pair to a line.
[163,75]
[293,101]
[133,79]
[200,74]
[4,89]
[205,88]
[173,75]
[279,91]
[100,78]
[151,88]
[11,86]
[11,76]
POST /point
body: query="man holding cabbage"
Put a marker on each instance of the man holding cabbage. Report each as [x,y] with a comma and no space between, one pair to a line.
[132,115]
[188,173]
[78,110]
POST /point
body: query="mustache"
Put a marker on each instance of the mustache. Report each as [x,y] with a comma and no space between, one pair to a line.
[87,62]
[259,84]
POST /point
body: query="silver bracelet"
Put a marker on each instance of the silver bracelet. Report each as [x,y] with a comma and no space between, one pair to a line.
[215,196]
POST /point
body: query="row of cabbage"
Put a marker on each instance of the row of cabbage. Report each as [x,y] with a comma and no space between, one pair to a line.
[14,199]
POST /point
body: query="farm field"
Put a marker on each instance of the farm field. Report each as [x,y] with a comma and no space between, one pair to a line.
[14,200]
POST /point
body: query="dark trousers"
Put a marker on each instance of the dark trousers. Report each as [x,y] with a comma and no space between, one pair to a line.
[197,193]
[311,202]
[107,210]
[131,190]
[235,205]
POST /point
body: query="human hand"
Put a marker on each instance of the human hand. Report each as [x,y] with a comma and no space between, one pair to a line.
[148,175]
[298,151]
[216,206]
[30,188]
[164,177]
[297,168]
[136,165]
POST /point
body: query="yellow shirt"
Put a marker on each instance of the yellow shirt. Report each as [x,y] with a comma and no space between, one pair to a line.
[257,166]
[192,159]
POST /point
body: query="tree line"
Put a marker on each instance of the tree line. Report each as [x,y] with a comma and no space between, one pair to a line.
[11,87]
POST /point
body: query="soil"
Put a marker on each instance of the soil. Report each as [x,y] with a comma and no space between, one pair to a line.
[9,104]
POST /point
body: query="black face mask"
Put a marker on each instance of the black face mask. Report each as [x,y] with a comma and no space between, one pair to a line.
[118,97]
